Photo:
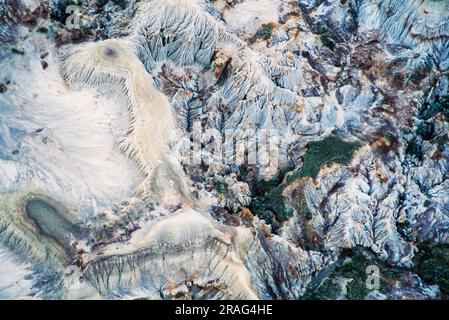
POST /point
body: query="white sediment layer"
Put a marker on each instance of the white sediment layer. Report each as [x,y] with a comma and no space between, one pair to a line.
[14,283]
[65,139]
[112,62]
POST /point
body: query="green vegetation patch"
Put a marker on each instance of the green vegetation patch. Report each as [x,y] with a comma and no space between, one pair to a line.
[265,31]
[327,291]
[322,153]
[441,105]
[426,130]
[269,193]
[433,267]
[272,201]
[414,149]
[18,51]
[355,268]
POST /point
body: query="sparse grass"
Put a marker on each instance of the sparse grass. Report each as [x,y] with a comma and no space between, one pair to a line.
[441,105]
[426,130]
[269,193]
[419,74]
[327,291]
[355,268]
[414,149]
[433,267]
[322,153]
[272,201]
[265,31]
[222,186]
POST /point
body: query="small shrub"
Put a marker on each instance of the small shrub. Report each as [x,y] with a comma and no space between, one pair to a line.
[327,41]
[414,149]
[265,31]
[441,105]
[18,51]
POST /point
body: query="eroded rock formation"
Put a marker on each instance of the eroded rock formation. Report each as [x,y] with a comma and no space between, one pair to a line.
[123,169]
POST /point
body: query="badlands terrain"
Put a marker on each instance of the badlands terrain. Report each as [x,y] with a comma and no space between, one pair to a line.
[224,149]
